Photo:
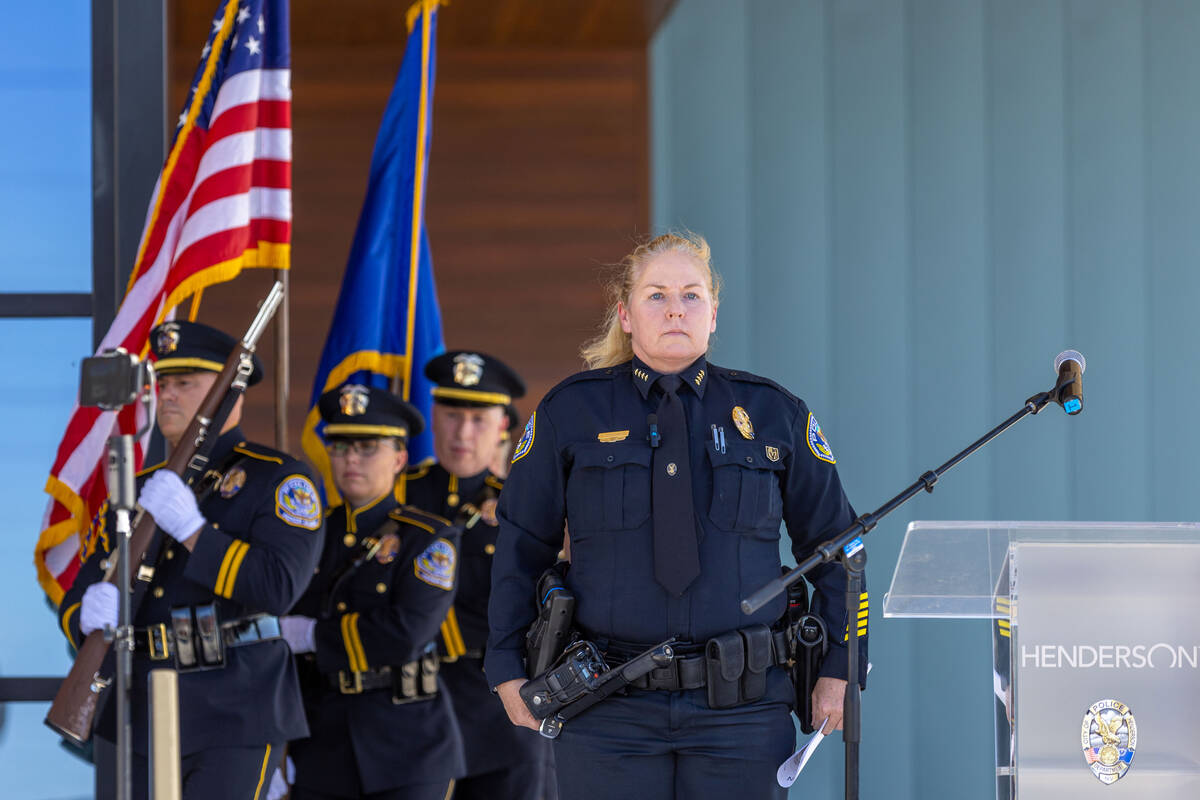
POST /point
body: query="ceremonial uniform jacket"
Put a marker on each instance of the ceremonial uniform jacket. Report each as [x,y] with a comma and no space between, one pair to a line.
[490,739]
[585,458]
[255,555]
[386,612]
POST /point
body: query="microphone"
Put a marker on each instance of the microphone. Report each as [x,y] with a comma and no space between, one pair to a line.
[652,421]
[1068,392]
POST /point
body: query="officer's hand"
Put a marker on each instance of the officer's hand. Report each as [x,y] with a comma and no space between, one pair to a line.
[828,696]
[518,712]
[98,608]
[299,633]
[172,504]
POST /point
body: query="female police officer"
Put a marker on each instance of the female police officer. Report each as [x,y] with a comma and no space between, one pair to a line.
[381,726]
[673,475]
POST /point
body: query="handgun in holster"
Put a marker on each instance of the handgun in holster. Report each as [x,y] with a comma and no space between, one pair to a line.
[808,642]
[550,633]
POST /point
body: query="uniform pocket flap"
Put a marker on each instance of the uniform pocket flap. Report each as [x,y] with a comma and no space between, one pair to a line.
[758,454]
[606,456]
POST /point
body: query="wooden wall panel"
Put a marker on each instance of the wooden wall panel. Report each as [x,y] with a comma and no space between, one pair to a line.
[538,176]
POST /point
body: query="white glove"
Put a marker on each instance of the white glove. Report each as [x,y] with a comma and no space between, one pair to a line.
[300,633]
[172,504]
[279,784]
[98,609]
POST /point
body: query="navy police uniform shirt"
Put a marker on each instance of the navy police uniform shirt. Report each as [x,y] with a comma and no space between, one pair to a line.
[491,741]
[584,461]
[383,613]
[255,555]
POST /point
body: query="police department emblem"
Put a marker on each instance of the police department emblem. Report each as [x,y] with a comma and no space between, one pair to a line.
[1109,739]
[526,443]
[436,565]
[772,453]
[468,369]
[168,339]
[296,503]
[742,420]
[354,400]
[816,441]
[233,482]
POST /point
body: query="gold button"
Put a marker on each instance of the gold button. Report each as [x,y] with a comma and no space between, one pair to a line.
[170,554]
[158,591]
[349,540]
[216,525]
[489,548]
[452,499]
[341,606]
[381,587]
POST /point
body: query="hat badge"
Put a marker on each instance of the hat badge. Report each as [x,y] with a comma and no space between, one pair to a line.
[354,400]
[168,338]
[468,369]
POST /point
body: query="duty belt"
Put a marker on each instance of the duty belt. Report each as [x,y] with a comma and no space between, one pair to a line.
[158,641]
[688,670]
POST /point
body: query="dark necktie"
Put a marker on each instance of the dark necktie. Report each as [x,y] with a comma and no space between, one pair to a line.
[676,551]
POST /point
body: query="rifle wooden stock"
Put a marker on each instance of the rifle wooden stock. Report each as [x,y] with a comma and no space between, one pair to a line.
[74,708]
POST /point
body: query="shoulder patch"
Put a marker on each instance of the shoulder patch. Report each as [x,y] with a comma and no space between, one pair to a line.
[817,442]
[437,564]
[526,444]
[296,503]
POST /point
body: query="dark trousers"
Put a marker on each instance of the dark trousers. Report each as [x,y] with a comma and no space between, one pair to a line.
[521,781]
[668,745]
[236,773]
[417,791]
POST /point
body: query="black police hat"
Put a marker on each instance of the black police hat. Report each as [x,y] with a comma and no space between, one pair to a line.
[182,346]
[356,411]
[467,378]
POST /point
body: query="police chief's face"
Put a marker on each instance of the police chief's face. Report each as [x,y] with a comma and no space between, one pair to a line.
[179,396]
[365,469]
[465,440]
[669,314]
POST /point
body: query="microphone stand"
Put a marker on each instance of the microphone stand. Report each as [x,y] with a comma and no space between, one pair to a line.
[847,547]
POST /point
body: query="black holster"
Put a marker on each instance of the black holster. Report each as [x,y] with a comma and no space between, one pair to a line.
[808,642]
[550,633]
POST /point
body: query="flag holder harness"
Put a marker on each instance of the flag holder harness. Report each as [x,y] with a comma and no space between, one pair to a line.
[848,549]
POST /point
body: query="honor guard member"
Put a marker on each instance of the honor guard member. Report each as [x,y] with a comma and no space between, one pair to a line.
[364,631]
[674,475]
[470,394]
[232,551]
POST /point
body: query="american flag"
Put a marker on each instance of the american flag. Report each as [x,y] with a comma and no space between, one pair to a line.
[222,203]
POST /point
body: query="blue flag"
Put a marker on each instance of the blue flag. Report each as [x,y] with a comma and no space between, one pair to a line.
[387,323]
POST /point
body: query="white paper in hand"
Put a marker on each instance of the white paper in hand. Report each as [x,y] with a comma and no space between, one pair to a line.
[790,770]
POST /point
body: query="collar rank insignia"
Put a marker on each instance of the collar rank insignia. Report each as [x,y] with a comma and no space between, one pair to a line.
[742,420]
[468,369]
[817,442]
[168,339]
[354,400]
[641,374]
[1109,739]
[233,482]
[388,547]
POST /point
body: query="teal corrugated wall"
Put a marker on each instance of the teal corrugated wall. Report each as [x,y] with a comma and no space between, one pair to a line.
[915,206]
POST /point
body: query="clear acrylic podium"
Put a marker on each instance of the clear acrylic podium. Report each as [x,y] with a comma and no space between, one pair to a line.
[1081,613]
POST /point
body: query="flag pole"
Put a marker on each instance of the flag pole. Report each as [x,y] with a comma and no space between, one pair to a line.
[282,361]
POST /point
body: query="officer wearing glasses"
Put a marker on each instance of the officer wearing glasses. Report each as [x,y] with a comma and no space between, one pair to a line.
[382,726]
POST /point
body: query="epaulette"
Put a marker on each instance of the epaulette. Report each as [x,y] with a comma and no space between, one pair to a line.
[599,374]
[420,470]
[261,453]
[421,519]
[750,377]
[494,481]
[148,470]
